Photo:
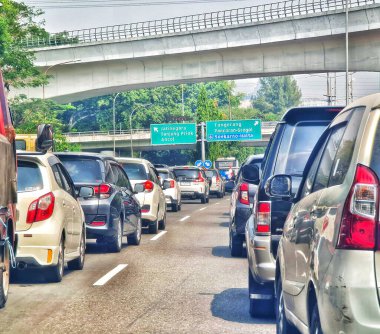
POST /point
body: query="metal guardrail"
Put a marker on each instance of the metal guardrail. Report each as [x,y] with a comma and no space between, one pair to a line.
[192,23]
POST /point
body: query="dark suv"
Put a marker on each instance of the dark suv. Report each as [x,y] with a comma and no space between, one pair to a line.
[241,205]
[287,153]
[113,211]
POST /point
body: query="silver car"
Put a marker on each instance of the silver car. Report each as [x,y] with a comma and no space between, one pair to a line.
[328,263]
[217,184]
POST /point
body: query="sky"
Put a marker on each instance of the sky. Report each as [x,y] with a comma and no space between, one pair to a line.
[76,14]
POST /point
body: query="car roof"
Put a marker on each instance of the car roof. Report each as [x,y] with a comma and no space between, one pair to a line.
[298,114]
[87,155]
[163,170]
[254,157]
[187,167]
[37,157]
[135,160]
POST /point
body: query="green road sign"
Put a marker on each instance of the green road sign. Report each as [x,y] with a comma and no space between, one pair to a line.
[239,130]
[173,134]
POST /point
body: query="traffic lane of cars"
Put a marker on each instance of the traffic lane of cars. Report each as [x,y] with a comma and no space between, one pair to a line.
[183,282]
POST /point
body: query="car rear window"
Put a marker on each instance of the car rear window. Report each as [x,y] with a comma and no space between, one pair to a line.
[29,177]
[297,143]
[83,170]
[185,174]
[211,173]
[135,171]
[164,175]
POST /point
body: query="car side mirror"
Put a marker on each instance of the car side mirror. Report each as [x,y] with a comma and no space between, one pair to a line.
[139,188]
[250,173]
[44,139]
[279,186]
[86,192]
[166,185]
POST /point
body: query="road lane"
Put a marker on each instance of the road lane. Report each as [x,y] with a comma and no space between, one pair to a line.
[184,282]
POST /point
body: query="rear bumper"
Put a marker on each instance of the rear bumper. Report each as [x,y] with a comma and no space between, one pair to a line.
[191,194]
[107,230]
[171,201]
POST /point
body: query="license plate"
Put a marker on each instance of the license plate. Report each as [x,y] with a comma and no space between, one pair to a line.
[185,183]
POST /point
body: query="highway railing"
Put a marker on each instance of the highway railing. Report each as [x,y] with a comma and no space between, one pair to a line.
[193,23]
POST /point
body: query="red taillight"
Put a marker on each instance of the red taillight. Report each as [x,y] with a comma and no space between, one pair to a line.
[244,194]
[172,185]
[104,190]
[41,209]
[359,217]
[97,223]
[148,186]
[200,178]
[263,213]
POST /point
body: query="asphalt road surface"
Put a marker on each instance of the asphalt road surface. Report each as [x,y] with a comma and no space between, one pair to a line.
[184,281]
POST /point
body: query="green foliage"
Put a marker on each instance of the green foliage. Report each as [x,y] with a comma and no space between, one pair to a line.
[28,114]
[277,94]
[17,21]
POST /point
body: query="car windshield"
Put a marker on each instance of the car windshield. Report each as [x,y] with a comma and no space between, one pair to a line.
[164,175]
[297,143]
[135,171]
[29,177]
[183,174]
[83,170]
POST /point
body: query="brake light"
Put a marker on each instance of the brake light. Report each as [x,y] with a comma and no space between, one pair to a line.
[359,217]
[172,185]
[41,209]
[263,218]
[148,186]
[244,194]
[104,190]
[217,179]
[200,178]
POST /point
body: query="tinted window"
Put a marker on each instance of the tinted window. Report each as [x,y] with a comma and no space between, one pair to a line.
[182,174]
[164,175]
[65,180]
[135,171]
[375,161]
[296,145]
[323,173]
[83,170]
[29,177]
[57,176]
[346,148]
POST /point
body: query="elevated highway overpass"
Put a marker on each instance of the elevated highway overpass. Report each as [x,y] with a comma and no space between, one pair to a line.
[290,37]
[141,140]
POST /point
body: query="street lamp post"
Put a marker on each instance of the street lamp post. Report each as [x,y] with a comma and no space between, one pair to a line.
[130,122]
[114,123]
[50,67]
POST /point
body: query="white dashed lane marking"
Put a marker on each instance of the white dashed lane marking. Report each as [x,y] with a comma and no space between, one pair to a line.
[111,274]
[184,218]
[159,235]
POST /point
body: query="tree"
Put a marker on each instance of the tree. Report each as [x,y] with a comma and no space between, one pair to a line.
[18,21]
[277,94]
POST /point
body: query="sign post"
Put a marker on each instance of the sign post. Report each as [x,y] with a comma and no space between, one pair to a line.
[239,130]
[173,134]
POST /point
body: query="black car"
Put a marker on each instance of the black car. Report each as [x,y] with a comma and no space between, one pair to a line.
[113,211]
[287,153]
[241,204]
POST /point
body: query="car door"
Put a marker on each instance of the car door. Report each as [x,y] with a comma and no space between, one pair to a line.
[71,198]
[67,209]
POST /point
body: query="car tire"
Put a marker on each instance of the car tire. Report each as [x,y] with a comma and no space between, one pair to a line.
[175,207]
[259,307]
[55,273]
[236,245]
[78,263]
[5,277]
[203,199]
[220,195]
[162,223]
[153,227]
[135,238]
[315,325]
[208,198]
[282,324]
[179,207]
[115,243]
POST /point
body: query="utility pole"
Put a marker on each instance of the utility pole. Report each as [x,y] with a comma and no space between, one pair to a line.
[203,141]
[347,80]
[183,104]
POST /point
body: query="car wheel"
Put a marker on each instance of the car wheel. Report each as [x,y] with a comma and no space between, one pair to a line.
[4,277]
[315,325]
[116,242]
[208,198]
[282,324]
[78,263]
[236,245]
[153,227]
[162,224]
[180,207]
[56,272]
[175,207]
[135,238]
[220,195]
[259,307]
[203,199]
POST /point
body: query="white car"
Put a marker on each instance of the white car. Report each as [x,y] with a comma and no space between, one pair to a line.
[193,183]
[172,194]
[152,199]
[217,184]
[50,227]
